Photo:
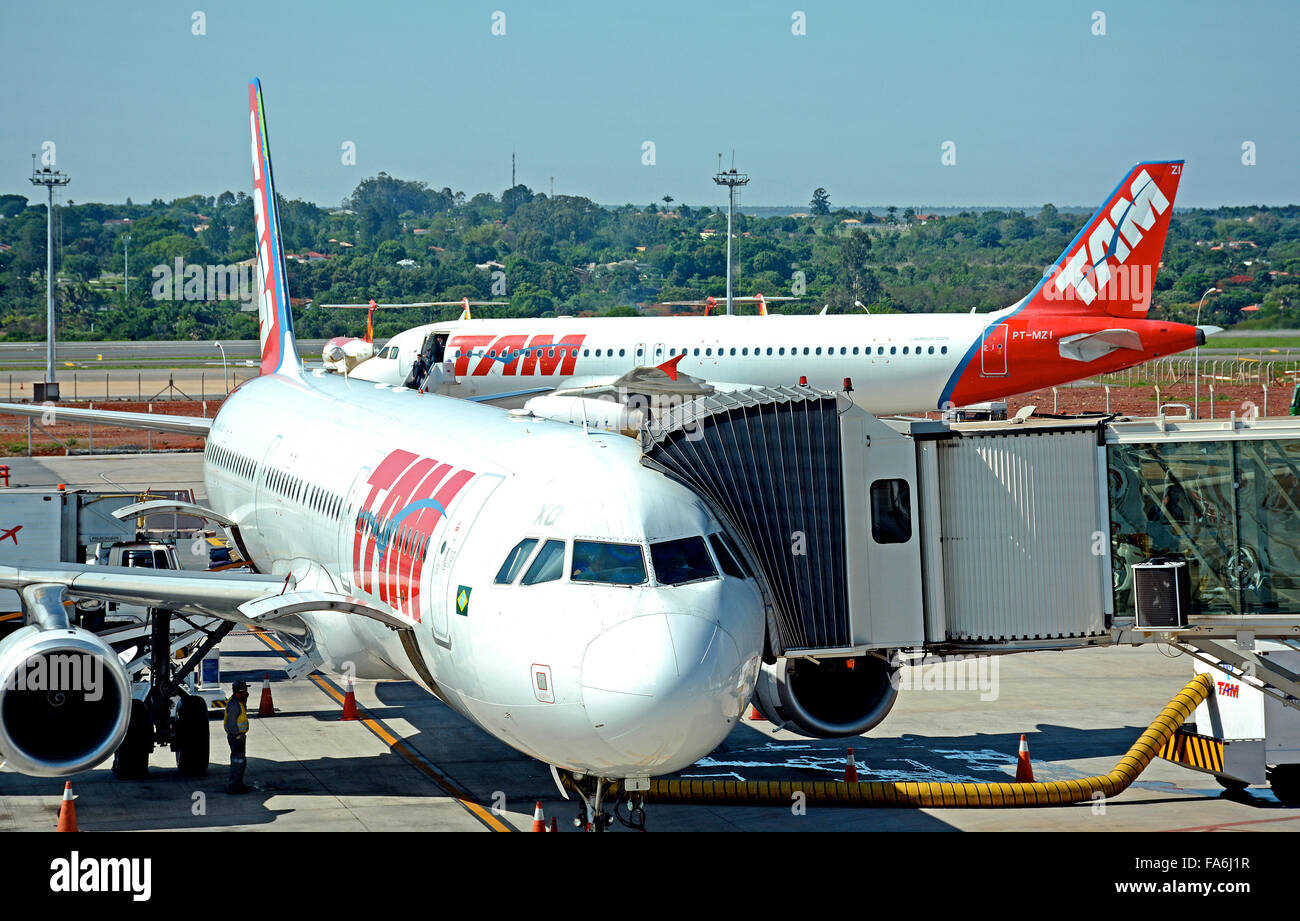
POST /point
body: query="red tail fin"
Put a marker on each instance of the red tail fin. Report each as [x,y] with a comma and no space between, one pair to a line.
[1110,267]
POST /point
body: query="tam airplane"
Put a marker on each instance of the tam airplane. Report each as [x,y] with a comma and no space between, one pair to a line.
[1087,315]
[343,353]
[538,579]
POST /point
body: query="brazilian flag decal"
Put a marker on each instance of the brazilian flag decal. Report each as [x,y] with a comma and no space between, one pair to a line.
[462,600]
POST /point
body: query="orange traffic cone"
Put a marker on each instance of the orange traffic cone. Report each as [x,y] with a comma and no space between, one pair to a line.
[555,824]
[68,810]
[539,820]
[851,769]
[350,704]
[266,708]
[755,714]
[1024,770]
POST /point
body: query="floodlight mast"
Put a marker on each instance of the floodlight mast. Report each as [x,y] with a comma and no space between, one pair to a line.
[731,179]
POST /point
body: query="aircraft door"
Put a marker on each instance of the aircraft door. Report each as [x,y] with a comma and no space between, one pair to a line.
[660,357]
[347,530]
[443,580]
[640,354]
[993,352]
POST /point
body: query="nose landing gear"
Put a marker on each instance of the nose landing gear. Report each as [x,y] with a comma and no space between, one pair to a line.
[593,795]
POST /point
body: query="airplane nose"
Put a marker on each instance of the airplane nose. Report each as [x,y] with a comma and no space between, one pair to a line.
[663,689]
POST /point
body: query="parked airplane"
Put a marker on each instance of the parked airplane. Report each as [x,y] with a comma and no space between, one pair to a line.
[343,353]
[543,583]
[1086,316]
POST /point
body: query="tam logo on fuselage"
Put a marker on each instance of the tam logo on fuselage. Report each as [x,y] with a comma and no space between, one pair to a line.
[408,498]
[516,354]
[1116,234]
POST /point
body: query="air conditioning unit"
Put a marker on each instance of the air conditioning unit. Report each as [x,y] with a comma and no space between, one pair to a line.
[1162,594]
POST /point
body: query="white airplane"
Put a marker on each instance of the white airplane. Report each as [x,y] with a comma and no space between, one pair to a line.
[1086,316]
[343,353]
[538,579]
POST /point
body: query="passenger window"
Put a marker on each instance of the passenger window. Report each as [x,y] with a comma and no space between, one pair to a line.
[612,564]
[725,559]
[548,564]
[891,511]
[679,561]
[515,561]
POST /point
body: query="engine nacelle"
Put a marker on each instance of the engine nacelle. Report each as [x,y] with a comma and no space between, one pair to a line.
[65,701]
[827,698]
[602,415]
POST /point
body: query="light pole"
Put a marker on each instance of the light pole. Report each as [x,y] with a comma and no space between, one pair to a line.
[731,179]
[224,376]
[126,268]
[1196,362]
[50,178]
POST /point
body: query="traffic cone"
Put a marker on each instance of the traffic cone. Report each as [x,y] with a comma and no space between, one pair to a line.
[851,769]
[68,810]
[539,820]
[754,714]
[350,704]
[555,824]
[266,708]
[1024,770]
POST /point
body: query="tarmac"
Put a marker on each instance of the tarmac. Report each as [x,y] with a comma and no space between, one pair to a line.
[413,764]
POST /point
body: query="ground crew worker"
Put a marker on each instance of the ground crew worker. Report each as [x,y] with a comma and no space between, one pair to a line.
[236,725]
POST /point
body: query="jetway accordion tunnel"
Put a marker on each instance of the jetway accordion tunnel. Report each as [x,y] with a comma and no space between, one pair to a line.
[946,795]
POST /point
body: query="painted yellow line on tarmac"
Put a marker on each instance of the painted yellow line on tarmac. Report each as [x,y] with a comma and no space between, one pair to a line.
[396,744]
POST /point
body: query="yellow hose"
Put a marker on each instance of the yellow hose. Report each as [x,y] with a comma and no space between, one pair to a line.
[972,795]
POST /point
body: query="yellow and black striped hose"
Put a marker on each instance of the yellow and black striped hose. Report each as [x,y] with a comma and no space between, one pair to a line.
[959,795]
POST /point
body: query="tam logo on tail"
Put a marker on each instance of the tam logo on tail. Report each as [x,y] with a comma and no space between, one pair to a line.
[1110,267]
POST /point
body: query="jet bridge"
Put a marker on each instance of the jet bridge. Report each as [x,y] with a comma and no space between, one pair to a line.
[877,540]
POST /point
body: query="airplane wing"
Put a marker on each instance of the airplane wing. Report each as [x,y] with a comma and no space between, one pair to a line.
[53,413]
[240,597]
[1091,346]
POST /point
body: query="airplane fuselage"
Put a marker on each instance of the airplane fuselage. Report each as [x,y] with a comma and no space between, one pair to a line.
[413,503]
[896,362]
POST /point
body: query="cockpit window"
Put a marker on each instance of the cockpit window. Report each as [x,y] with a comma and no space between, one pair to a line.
[548,565]
[612,564]
[515,561]
[725,558]
[679,561]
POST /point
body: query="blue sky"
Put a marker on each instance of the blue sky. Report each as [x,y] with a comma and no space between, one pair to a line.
[1038,107]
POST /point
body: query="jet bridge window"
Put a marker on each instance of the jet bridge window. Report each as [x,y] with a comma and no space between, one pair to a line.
[548,565]
[891,511]
[515,560]
[611,564]
[677,562]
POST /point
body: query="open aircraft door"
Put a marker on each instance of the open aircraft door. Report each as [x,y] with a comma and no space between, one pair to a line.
[445,593]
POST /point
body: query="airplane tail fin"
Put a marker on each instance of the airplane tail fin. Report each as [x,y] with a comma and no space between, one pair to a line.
[1109,269]
[274,316]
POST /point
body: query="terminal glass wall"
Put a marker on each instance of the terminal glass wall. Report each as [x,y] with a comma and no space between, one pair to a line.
[1231,509]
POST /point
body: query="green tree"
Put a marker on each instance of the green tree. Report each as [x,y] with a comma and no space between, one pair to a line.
[821,201]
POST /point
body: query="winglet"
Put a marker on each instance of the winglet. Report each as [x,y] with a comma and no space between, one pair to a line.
[762,305]
[274,317]
[464,314]
[669,367]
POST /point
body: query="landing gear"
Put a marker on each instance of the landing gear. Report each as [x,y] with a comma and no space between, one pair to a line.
[593,795]
[154,720]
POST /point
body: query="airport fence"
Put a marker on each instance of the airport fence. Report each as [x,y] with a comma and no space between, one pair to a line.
[134,386]
[1264,370]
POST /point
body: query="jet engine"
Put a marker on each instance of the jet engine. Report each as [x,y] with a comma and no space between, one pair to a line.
[65,701]
[827,698]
